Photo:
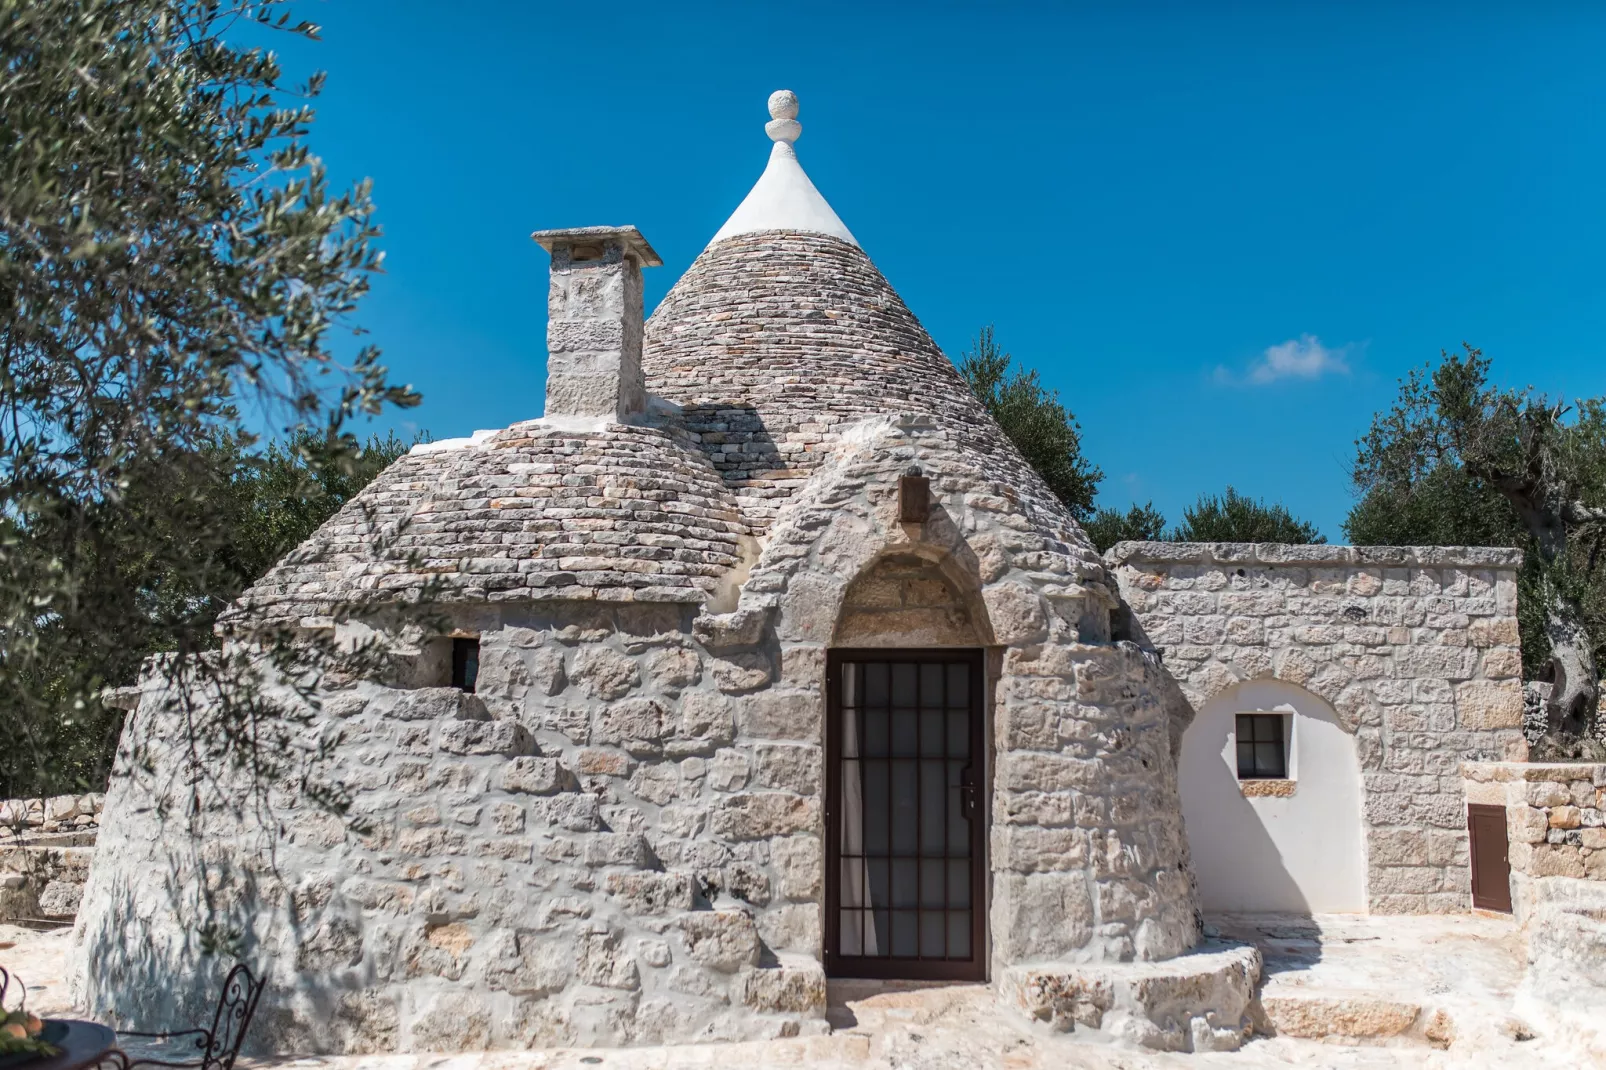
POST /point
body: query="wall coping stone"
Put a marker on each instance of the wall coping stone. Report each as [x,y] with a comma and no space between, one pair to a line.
[1506,772]
[1278,553]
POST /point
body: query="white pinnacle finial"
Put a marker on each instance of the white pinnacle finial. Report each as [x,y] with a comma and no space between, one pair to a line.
[783,198]
[783,124]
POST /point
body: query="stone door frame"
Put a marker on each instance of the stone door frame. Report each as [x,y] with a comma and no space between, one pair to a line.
[888,968]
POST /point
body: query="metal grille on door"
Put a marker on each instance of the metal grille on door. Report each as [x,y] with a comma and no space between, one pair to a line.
[905,741]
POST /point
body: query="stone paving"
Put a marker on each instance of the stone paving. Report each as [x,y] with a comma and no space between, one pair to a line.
[1452,978]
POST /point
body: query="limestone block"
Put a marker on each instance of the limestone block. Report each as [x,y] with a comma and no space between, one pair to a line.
[674,669]
[724,940]
[744,671]
[780,714]
[1524,824]
[527,965]
[601,961]
[535,776]
[1564,817]
[1358,1017]
[788,767]
[794,986]
[616,849]
[760,815]
[605,673]
[803,666]
[485,737]
[1040,915]
[436,703]
[651,893]
[1548,793]
[453,1021]
[637,724]
[1555,860]
[709,716]
[1195,1002]
[792,927]
[1027,849]
[1016,613]
[798,859]
[592,762]
[656,782]
[1489,704]
[729,771]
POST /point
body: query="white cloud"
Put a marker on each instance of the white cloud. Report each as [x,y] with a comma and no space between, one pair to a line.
[1298,358]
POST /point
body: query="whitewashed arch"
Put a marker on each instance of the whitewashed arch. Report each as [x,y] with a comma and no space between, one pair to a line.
[1302,850]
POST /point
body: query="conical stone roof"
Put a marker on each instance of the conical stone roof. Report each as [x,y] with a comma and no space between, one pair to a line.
[783,333]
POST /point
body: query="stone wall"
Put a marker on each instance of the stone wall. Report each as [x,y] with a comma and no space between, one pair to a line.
[1556,836]
[1555,820]
[619,838]
[580,853]
[59,813]
[45,848]
[1415,648]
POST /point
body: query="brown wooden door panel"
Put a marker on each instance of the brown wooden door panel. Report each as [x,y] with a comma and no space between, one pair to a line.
[1491,868]
[905,853]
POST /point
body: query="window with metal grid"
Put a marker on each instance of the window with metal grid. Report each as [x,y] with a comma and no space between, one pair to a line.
[907,741]
[1262,747]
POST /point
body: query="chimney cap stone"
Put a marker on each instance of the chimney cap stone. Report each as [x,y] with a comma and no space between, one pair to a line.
[634,244]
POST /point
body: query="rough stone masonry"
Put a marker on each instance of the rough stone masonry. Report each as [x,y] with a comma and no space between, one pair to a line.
[1414,647]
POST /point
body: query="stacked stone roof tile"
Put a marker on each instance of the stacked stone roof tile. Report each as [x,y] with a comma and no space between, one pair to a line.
[775,342]
[532,512]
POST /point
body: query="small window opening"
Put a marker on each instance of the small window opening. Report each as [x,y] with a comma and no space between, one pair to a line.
[1262,747]
[465,664]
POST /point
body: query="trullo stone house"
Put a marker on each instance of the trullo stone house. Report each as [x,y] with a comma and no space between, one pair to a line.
[763,658]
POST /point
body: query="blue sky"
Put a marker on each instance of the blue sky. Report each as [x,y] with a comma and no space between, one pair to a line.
[1221,232]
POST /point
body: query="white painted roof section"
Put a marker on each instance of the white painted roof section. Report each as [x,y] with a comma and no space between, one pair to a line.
[784,198]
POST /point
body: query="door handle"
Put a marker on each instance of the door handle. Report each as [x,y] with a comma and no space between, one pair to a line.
[967,793]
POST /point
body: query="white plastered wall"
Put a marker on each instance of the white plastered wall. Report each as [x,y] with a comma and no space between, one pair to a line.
[1302,852]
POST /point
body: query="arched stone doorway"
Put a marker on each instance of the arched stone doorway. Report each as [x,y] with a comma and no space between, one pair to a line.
[905,787]
[1271,797]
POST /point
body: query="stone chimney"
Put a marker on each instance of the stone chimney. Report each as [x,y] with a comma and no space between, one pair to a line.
[594,328]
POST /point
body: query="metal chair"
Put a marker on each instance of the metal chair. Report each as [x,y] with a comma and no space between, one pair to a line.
[220,1045]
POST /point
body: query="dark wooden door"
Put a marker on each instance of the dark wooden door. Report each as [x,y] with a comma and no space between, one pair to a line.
[905,879]
[1491,870]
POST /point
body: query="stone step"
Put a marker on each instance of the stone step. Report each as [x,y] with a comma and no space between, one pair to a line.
[1353,1017]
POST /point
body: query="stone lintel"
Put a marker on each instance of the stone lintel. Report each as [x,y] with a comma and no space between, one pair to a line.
[1312,556]
[627,237]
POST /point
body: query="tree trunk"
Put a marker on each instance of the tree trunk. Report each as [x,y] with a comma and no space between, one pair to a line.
[1540,501]
[1573,690]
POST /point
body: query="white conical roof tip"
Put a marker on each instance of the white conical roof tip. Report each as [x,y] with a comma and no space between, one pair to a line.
[784,198]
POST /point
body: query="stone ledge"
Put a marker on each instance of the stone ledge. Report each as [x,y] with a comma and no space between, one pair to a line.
[1322,554]
[1267,789]
[1195,1002]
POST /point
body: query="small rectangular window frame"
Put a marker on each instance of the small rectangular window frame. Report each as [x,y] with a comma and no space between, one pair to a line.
[465,663]
[1261,746]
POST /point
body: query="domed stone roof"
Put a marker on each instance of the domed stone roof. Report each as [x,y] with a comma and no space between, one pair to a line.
[615,513]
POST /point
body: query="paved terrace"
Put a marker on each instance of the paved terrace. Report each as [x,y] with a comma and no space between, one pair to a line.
[1340,992]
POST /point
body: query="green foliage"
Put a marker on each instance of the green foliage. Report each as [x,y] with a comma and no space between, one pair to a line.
[1036,422]
[1234,517]
[174,269]
[1141,523]
[1456,461]
[255,506]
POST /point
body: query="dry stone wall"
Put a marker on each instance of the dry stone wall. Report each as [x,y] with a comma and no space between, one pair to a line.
[1415,648]
[604,845]
[1556,844]
[45,848]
